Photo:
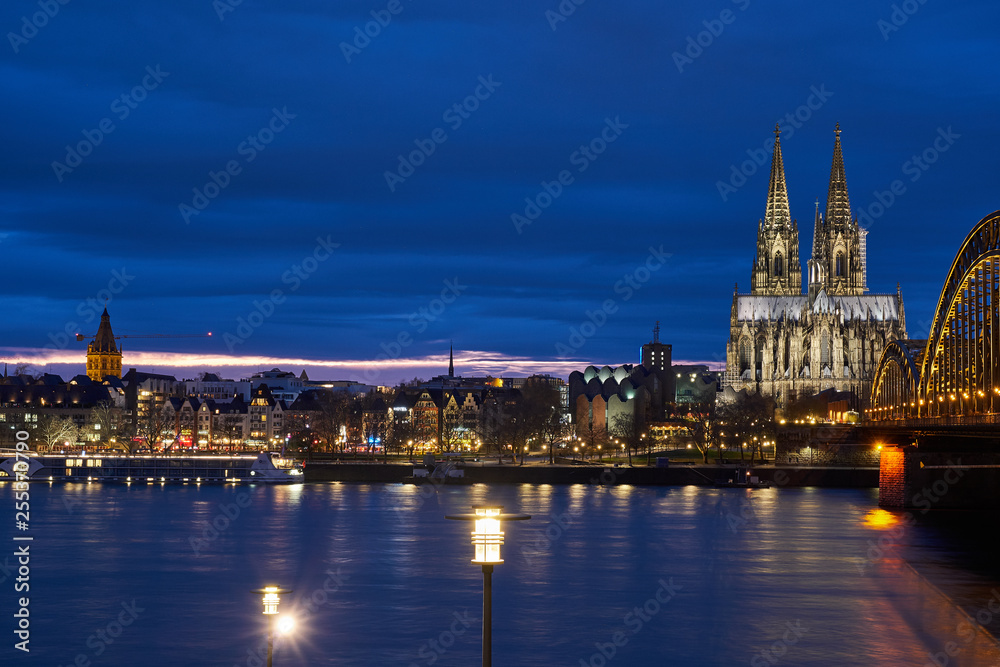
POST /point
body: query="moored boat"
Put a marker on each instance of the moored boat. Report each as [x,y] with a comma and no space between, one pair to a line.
[266,467]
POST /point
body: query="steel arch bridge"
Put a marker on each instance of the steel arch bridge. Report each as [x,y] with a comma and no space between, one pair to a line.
[954,375]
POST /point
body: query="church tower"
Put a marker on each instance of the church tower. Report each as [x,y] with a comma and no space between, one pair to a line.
[103,356]
[838,256]
[776,267]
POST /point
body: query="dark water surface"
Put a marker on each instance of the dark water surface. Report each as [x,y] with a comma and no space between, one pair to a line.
[798,573]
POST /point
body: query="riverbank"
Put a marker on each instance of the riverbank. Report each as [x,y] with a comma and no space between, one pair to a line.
[681,475]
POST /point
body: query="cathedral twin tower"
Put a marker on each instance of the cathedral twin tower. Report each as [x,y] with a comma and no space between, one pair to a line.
[790,344]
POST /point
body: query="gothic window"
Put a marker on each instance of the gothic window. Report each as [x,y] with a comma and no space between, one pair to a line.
[779,265]
[840,264]
[759,357]
[824,349]
[744,355]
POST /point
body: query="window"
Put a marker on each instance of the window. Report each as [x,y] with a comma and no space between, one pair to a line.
[840,264]
[779,265]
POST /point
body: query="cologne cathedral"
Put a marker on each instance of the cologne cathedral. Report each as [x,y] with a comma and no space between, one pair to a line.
[788,344]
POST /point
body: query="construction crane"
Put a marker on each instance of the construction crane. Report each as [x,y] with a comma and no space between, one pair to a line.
[80,336]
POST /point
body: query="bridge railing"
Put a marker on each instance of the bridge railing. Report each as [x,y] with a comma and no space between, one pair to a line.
[945,420]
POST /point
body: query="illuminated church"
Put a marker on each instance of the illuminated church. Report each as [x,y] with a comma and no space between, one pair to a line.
[788,344]
[103,356]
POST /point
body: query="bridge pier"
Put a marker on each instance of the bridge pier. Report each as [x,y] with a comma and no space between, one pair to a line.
[916,478]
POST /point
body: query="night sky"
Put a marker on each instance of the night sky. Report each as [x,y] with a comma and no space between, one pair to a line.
[345,203]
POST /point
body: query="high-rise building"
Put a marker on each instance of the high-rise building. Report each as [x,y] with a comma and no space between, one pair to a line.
[655,357]
[787,344]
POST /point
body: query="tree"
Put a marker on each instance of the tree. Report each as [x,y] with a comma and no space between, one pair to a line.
[490,427]
[297,426]
[331,420]
[104,420]
[749,421]
[24,369]
[150,425]
[593,438]
[231,429]
[401,434]
[704,429]
[54,430]
[540,409]
[629,431]
[374,421]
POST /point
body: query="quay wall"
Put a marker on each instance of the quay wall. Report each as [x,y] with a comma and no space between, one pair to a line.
[677,475]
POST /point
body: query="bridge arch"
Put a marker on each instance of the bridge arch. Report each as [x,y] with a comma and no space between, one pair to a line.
[956,371]
[959,373]
[897,381]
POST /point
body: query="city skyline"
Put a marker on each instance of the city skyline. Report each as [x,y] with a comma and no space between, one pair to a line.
[318,197]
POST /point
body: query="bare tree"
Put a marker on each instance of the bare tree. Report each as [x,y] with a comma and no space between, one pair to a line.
[54,430]
[107,419]
[539,407]
[594,438]
[231,430]
[24,369]
[332,418]
[150,426]
[628,430]
[749,421]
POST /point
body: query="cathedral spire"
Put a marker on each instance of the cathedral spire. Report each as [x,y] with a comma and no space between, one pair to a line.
[817,233]
[778,213]
[838,206]
[451,359]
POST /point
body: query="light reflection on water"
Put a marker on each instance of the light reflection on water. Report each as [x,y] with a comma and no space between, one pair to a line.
[788,570]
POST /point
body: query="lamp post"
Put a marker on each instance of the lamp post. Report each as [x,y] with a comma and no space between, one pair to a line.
[487,538]
[270,598]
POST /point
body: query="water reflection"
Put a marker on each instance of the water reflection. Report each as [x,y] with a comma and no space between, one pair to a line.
[751,566]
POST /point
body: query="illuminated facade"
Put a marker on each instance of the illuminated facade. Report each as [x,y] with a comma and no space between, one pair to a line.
[103,356]
[787,344]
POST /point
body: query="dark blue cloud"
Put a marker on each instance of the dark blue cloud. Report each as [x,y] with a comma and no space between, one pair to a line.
[323,174]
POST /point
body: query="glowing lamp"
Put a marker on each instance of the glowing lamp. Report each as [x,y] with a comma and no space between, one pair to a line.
[486,539]
[270,597]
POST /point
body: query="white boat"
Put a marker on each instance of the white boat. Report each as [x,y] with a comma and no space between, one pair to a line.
[266,467]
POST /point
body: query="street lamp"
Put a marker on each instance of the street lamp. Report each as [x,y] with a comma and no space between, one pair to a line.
[487,538]
[270,598]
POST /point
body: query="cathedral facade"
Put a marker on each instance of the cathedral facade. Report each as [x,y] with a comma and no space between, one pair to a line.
[788,343]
